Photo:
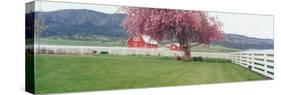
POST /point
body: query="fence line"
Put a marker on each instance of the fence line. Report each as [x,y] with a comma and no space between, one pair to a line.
[62,49]
[260,61]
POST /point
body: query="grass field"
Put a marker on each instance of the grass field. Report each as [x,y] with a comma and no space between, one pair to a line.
[68,73]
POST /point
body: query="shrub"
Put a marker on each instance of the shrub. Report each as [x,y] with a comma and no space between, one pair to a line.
[216,60]
[94,52]
[104,52]
[196,59]
[178,58]
[250,67]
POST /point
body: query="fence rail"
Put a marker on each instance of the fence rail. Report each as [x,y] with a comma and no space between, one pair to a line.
[260,61]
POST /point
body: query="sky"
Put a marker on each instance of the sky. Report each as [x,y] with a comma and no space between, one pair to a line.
[258,26]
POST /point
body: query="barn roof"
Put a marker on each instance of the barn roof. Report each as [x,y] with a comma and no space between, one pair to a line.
[147,39]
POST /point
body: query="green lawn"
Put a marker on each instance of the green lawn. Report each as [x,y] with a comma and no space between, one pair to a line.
[68,73]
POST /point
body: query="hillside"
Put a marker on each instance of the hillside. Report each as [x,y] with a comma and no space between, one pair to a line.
[244,42]
[89,25]
[71,24]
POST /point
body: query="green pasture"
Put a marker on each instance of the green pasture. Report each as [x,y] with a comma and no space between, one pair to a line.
[71,73]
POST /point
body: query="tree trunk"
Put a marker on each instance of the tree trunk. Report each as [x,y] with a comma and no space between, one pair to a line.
[187,53]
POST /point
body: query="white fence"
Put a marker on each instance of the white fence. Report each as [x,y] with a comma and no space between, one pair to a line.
[260,61]
[62,49]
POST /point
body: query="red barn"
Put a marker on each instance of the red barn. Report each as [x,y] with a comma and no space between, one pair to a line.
[142,41]
[174,46]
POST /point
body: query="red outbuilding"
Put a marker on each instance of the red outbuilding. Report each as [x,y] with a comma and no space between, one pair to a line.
[174,46]
[142,41]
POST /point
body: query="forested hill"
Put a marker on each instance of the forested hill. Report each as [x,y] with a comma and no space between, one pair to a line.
[244,42]
[81,24]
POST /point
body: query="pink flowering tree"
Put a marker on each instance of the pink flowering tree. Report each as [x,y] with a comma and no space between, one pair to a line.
[188,28]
